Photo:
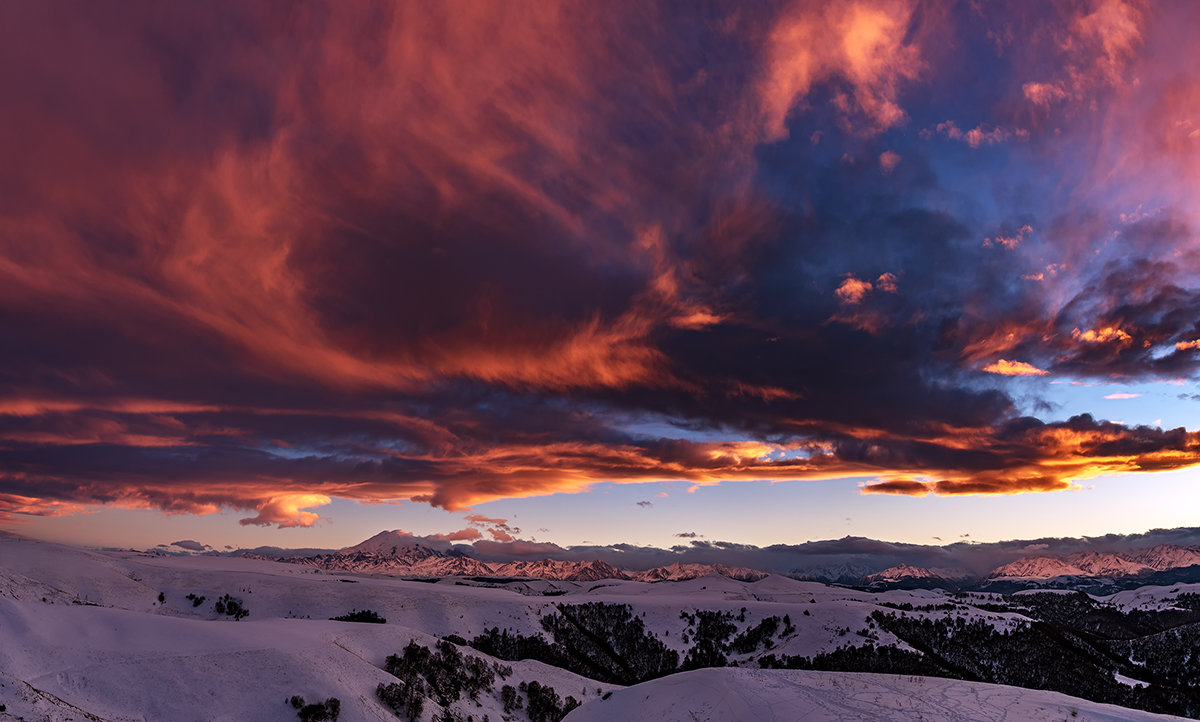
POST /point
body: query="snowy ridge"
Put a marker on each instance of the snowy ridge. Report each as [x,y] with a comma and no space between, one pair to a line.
[907,571]
[1095,564]
[786,695]
[680,572]
[1165,556]
[398,555]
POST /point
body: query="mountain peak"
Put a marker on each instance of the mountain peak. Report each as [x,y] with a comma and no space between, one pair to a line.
[907,571]
[1168,556]
[394,543]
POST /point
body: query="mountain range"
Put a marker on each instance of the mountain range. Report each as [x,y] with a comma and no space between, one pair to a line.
[397,554]
[1086,570]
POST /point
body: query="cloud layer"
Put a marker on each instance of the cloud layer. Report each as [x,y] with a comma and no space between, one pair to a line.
[261,256]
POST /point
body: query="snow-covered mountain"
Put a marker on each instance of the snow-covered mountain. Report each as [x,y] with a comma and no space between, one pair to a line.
[1036,568]
[1096,564]
[394,544]
[840,572]
[1166,556]
[397,554]
[902,572]
[589,571]
[679,572]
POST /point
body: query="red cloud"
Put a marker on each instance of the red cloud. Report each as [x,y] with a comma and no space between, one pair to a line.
[288,510]
[451,252]
[481,519]
[852,290]
[868,44]
[501,535]
[467,534]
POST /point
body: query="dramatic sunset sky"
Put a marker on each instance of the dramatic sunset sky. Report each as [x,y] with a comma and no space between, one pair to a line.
[291,273]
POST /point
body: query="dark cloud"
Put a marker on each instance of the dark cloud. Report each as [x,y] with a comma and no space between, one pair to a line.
[191,545]
[263,256]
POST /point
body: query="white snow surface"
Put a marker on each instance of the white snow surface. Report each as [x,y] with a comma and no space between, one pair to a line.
[741,695]
[1150,598]
[82,633]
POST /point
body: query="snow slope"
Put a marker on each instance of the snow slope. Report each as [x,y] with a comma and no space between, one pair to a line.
[120,665]
[735,695]
[85,631]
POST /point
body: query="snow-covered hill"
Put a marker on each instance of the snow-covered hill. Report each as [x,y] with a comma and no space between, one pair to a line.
[787,695]
[128,635]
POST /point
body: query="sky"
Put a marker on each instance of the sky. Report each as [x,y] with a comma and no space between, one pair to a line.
[598,273]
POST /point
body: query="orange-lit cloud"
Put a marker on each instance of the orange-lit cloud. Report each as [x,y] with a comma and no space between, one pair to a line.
[464,253]
[1004,367]
[1096,49]
[288,510]
[853,290]
[980,135]
[468,534]
[1107,334]
[500,535]
[887,283]
[864,44]
[1010,242]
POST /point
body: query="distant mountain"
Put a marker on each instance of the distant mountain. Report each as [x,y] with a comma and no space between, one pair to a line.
[1096,564]
[679,572]
[393,544]
[1037,568]
[906,571]
[563,571]
[398,554]
[1165,556]
[906,576]
[837,573]
[1096,572]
